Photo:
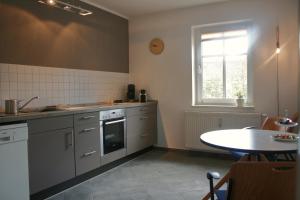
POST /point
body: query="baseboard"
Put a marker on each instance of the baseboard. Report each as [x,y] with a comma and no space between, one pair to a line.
[79,179]
[84,177]
[196,152]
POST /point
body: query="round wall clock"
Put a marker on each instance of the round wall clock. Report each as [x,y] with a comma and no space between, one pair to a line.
[156,46]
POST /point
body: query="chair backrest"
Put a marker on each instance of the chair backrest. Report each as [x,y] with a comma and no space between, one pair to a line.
[262,181]
[269,123]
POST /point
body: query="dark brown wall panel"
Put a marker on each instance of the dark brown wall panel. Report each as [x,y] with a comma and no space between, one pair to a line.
[35,34]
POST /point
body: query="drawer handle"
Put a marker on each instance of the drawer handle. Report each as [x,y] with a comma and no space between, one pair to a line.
[69,139]
[87,130]
[89,154]
[143,118]
[143,109]
[5,139]
[87,117]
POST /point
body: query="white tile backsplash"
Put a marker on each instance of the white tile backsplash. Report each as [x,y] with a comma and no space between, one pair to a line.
[60,85]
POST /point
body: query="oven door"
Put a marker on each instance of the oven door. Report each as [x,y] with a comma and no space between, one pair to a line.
[112,135]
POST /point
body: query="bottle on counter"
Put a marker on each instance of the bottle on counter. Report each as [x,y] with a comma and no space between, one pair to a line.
[143,96]
[131,93]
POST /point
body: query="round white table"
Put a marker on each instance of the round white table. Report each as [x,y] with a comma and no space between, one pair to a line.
[251,141]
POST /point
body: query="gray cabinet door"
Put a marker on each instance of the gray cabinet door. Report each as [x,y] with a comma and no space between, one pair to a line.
[140,132]
[51,158]
[87,142]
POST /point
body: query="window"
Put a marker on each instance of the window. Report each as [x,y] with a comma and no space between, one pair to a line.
[221,63]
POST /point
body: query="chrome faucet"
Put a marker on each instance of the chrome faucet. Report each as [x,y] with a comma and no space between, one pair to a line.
[25,104]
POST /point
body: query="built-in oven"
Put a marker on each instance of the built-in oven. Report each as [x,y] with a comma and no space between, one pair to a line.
[112,135]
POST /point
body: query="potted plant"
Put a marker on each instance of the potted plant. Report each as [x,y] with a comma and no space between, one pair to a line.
[240,99]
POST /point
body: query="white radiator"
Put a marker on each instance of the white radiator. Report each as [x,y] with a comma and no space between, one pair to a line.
[197,123]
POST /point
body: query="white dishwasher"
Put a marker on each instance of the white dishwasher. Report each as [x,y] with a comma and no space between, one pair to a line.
[14,179]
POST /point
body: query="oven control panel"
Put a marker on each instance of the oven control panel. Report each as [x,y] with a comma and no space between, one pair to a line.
[111,114]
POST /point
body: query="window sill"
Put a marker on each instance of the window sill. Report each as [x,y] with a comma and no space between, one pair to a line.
[224,108]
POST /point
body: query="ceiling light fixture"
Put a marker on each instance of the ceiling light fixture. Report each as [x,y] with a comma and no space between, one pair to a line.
[41,1]
[51,2]
[84,12]
[66,6]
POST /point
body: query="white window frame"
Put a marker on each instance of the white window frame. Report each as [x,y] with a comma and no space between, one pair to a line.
[197,31]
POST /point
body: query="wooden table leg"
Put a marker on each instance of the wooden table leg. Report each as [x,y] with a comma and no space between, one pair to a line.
[291,157]
[263,158]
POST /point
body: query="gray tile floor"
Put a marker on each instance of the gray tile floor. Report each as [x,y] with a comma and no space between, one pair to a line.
[156,175]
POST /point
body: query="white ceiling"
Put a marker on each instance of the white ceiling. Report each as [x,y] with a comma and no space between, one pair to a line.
[133,8]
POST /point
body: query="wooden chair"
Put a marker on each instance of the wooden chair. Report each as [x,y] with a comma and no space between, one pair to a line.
[268,124]
[258,181]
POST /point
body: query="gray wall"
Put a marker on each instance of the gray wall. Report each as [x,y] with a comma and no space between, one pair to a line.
[40,35]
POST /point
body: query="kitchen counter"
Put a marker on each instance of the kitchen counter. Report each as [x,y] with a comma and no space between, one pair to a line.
[7,118]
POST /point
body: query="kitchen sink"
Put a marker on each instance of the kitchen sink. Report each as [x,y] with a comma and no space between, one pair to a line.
[75,108]
[69,107]
[45,109]
[63,108]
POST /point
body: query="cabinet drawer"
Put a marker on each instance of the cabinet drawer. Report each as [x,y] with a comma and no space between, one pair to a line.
[49,124]
[139,142]
[87,152]
[140,110]
[141,123]
[84,130]
[86,118]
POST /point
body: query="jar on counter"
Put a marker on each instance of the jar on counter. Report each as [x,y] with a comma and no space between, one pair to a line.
[143,96]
